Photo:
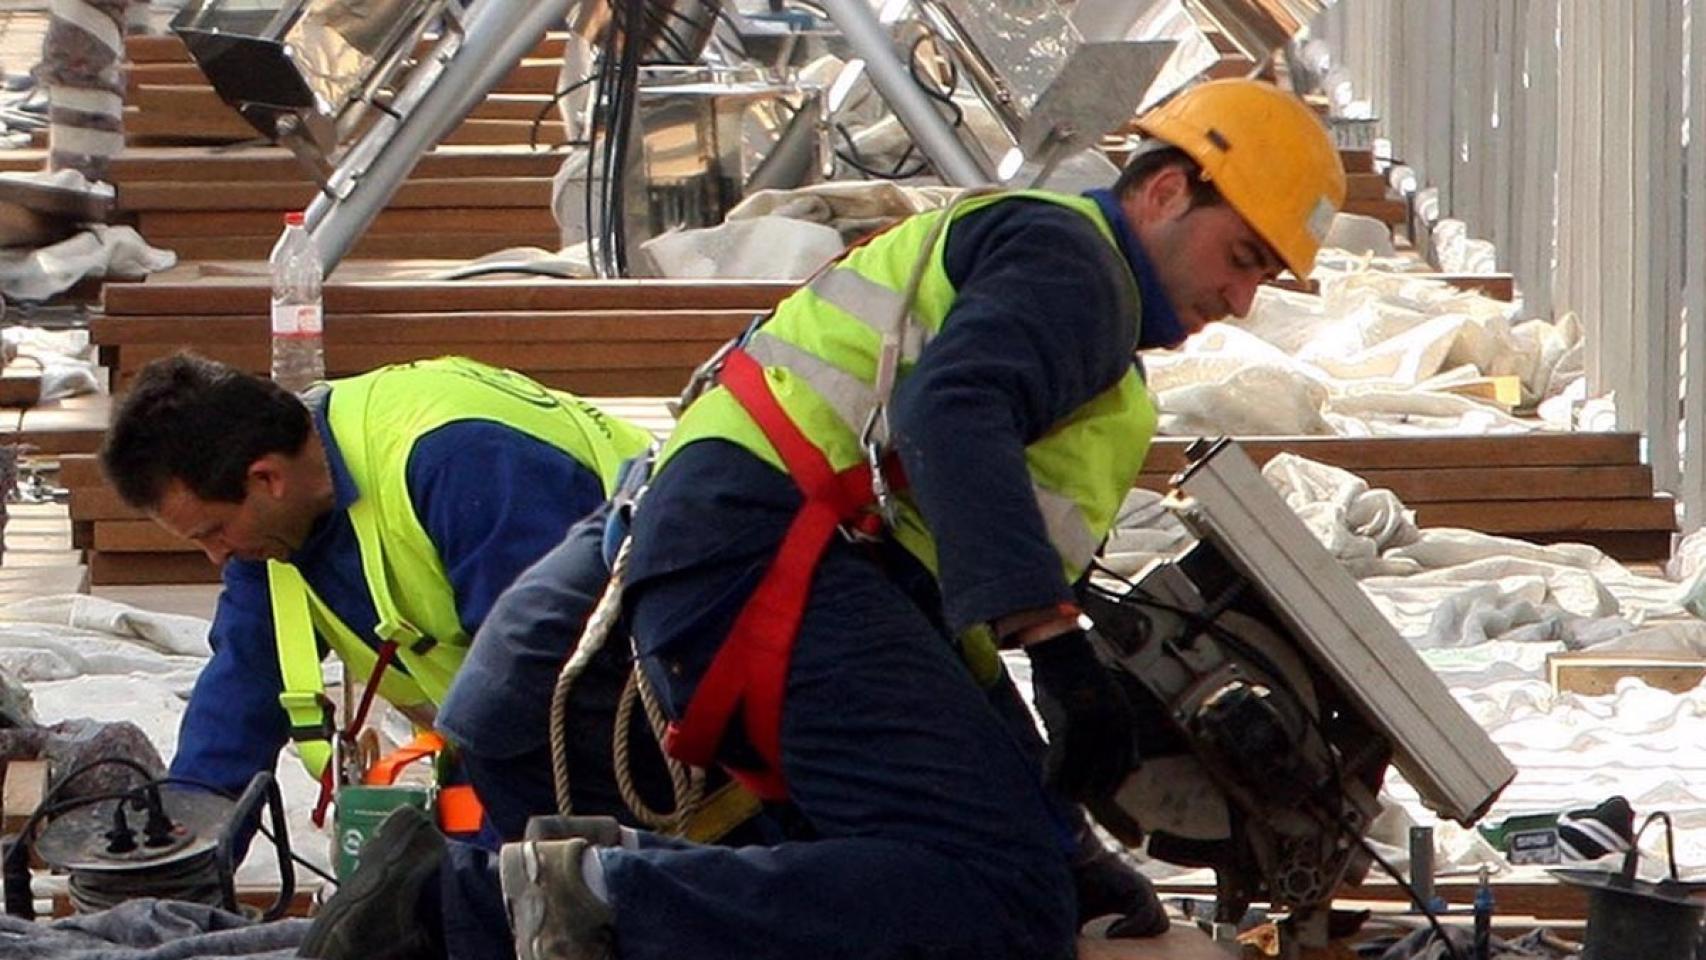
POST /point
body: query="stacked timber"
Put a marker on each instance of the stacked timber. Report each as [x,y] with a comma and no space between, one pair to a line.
[595,338]
[1541,487]
[206,203]
[607,338]
[1547,488]
[169,101]
[1367,192]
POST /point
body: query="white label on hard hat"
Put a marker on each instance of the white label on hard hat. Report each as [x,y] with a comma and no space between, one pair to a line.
[1321,219]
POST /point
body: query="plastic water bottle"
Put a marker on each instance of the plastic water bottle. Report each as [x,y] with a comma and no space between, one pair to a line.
[298,348]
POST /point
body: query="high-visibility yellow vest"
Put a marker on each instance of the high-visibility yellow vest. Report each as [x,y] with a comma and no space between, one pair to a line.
[820,350]
[375,420]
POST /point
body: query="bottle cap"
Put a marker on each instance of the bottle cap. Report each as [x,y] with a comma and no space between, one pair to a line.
[293,218]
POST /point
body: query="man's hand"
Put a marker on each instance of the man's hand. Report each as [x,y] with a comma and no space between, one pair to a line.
[1090,723]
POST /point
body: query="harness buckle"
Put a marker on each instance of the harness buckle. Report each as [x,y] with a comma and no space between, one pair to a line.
[874,460]
[325,729]
[405,634]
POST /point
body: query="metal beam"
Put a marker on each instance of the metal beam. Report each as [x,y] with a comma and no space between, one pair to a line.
[915,111]
[497,34]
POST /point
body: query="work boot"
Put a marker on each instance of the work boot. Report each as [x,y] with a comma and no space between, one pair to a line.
[1107,884]
[599,831]
[554,914]
[377,914]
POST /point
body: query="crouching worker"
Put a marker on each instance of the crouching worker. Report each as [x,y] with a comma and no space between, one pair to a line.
[378,518]
[910,461]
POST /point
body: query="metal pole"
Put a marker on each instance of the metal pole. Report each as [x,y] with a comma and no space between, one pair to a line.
[870,40]
[497,34]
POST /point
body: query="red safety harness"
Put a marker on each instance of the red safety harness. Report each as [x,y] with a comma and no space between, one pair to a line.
[750,671]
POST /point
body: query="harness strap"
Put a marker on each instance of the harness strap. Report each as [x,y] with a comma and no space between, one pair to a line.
[328,777]
[750,671]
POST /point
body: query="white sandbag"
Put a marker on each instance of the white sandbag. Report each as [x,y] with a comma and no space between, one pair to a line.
[1393,413]
[1360,235]
[1354,523]
[65,359]
[1254,401]
[760,248]
[853,207]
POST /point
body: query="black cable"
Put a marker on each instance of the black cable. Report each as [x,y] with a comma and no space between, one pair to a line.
[734,31]
[260,824]
[592,195]
[15,865]
[625,46]
[556,98]
[852,158]
[196,879]
[1415,898]
[945,94]
[624,106]
[941,94]
[656,15]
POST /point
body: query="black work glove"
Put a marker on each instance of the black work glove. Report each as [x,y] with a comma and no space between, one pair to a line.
[1091,741]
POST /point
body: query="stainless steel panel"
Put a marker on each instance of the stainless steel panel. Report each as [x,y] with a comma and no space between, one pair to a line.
[336,44]
[1027,41]
[1192,55]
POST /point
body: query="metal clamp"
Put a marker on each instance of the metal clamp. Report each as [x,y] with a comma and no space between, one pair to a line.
[873,448]
[705,375]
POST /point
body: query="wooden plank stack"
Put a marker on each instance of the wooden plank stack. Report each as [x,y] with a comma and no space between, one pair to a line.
[1543,487]
[206,203]
[169,100]
[1546,488]
[614,338]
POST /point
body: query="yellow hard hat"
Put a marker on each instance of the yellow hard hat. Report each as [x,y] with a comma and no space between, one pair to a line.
[1266,153]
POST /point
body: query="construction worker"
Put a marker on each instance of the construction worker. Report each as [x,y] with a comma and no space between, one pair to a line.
[379,517]
[910,462]
[906,466]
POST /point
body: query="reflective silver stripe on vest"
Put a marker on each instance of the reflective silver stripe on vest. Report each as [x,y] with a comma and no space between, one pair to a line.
[872,304]
[851,398]
[1067,531]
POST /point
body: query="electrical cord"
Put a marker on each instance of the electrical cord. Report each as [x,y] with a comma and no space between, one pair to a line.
[15,864]
[260,824]
[853,159]
[733,31]
[684,51]
[556,98]
[1410,891]
[943,94]
[635,26]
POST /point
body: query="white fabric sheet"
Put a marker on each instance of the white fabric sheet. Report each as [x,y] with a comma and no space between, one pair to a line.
[82,656]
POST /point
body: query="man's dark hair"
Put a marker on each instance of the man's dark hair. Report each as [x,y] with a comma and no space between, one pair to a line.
[1153,157]
[201,423]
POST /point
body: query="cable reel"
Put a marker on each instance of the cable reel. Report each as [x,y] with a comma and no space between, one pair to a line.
[161,839]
